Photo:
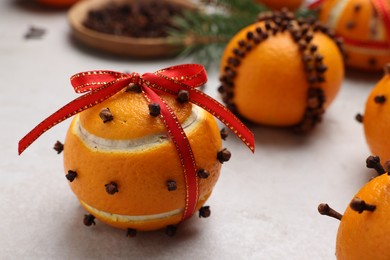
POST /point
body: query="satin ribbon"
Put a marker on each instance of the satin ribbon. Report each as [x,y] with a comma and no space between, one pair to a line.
[383,9]
[365,44]
[102,84]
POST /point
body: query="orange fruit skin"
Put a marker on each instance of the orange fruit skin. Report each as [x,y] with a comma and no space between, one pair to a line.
[58,3]
[277,5]
[366,236]
[271,84]
[364,20]
[131,117]
[141,174]
[376,120]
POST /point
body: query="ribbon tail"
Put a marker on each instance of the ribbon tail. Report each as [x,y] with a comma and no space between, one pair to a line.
[76,106]
[225,116]
[183,147]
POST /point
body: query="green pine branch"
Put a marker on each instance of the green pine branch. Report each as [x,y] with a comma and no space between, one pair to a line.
[205,34]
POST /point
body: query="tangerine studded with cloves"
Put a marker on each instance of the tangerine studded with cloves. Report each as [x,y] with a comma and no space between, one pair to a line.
[129,174]
[376,120]
[362,24]
[364,229]
[282,71]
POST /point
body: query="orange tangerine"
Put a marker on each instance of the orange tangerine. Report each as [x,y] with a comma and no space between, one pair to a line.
[278,5]
[364,229]
[376,119]
[281,72]
[364,33]
[125,170]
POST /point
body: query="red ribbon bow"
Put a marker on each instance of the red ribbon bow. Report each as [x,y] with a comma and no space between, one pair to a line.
[100,85]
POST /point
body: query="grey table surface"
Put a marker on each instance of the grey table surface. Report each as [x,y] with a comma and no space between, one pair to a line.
[263,207]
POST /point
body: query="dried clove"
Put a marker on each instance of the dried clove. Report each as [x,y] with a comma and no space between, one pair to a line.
[321,68]
[71,175]
[372,62]
[171,185]
[233,61]
[380,99]
[183,96]
[171,230]
[203,174]
[154,109]
[350,25]
[59,147]
[131,232]
[111,188]
[359,117]
[324,209]
[224,155]
[249,35]
[106,115]
[373,162]
[359,205]
[89,220]
[204,212]
[357,8]
[133,88]
[224,133]
[34,33]
[241,43]
[319,58]
[138,19]
[313,48]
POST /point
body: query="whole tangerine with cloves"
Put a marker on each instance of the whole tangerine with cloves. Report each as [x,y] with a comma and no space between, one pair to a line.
[282,71]
[127,171]
[364,229]
[365,27]
[376,120]
[143,152]
[278,5]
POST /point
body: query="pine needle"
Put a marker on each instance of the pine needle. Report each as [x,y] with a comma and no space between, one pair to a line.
[206,33]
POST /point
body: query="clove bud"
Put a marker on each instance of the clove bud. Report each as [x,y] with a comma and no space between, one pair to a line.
[59,147]
[171,230]
[154,109]
[359,205]
[204,212]
[171,185]
[89,220]
[106,115]
[111,188]
[373,162]
[183,96]
[324,209]
[131,232]
[223,155]
[71,175]
[203,174]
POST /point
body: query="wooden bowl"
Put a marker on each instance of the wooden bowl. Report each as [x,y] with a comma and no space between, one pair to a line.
[146,48]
